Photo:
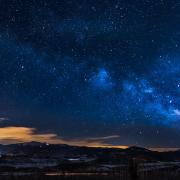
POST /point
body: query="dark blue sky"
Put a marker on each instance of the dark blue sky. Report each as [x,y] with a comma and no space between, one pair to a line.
[106,72]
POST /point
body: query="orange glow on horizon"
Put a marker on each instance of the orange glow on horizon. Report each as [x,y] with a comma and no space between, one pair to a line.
[12,134]
[109,146]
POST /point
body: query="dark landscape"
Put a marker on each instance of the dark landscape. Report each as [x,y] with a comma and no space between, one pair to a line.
[36,160]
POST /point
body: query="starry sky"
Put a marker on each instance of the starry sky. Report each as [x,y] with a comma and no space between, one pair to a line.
[90,72]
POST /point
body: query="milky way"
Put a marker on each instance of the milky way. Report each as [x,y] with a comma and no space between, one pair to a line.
[87,69]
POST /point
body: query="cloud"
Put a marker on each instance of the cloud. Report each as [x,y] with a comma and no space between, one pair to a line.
[177,112]
[3,119]
[105,137]
[101,80]
[164,149]
[14,134]
[22,134]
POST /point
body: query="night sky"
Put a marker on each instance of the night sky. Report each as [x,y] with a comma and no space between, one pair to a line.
[90,72]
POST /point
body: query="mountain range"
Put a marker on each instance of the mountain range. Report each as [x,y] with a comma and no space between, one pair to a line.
[37,149]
